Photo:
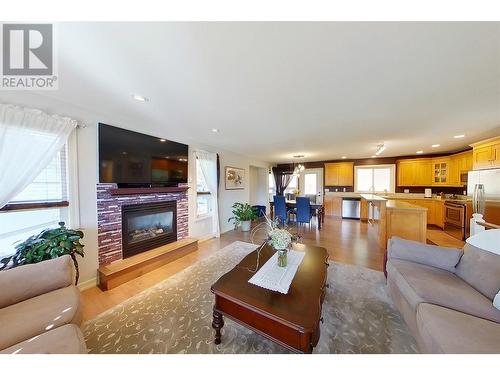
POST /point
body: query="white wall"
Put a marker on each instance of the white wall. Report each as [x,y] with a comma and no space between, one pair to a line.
[259,189]
[88,173]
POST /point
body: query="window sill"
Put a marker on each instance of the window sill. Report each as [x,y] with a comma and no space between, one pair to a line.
[33,205]
[202,217]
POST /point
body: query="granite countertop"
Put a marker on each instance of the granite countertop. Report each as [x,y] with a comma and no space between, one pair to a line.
[342,195]
[372,197]
[398,205]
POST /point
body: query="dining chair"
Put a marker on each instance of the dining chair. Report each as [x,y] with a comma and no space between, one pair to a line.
[280,208]
[303,210]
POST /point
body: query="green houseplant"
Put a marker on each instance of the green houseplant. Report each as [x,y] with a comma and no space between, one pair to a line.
[243,214]
[49,244]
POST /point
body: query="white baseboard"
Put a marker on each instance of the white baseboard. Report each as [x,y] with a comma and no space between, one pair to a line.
[87,284]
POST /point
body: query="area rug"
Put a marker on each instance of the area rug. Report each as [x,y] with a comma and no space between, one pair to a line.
[175,316]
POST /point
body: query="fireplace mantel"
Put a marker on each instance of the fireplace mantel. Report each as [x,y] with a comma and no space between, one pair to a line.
[148,190]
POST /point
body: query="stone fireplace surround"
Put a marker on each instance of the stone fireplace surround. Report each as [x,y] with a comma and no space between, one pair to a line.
[109,218]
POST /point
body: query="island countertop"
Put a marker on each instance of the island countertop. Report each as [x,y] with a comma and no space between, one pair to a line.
[400,205]
[372,197]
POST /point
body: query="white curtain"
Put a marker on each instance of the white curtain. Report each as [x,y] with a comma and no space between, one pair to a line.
[29,140]
[208,166]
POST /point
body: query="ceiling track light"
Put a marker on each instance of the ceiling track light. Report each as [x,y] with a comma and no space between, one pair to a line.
[380,149]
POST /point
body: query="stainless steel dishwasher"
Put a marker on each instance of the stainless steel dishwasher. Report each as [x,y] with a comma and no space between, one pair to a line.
[350,208]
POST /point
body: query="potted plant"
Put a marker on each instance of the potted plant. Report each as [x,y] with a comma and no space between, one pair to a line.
[243,215]
[50,243]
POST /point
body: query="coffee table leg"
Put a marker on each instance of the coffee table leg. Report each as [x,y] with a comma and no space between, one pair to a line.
[217,324]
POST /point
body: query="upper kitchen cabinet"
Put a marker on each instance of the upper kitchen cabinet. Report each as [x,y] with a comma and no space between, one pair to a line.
[486,154]
[414,172]
[440,171]
[460,164]
[339,174]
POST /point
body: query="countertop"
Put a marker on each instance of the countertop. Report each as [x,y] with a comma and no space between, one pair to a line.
[372,197]
[408,196]
[399,205]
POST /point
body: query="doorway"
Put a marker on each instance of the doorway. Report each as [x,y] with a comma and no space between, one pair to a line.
[311,183]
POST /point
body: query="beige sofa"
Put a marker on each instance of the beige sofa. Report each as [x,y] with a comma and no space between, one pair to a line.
[40,309]
[445,295]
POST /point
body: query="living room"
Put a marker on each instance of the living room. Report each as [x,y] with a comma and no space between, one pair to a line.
[250,188]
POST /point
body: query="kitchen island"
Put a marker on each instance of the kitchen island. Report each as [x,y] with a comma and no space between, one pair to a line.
[394,218]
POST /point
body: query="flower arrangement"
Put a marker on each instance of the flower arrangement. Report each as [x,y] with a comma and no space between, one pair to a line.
[279,239]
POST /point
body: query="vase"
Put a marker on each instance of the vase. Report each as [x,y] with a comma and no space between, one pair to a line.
[246,225]
[282,257]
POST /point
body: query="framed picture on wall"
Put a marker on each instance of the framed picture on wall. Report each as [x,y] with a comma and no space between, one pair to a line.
[235,178]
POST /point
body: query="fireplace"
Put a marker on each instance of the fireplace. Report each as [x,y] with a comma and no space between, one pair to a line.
[148,225]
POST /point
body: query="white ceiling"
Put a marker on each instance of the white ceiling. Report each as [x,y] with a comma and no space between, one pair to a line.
[277,89]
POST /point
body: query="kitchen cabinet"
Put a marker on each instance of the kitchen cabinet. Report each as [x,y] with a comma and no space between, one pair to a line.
[439,213]
[440,171]
[486,154]
[339,174]
[333,206]
[463,161]
[414,172]
[460,163]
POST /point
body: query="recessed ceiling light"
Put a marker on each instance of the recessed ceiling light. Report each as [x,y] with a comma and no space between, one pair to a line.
[459,136]
[215,130]
[140,98]
[374,156]
[419,152]
[344,157]
[162,140]
[436,145]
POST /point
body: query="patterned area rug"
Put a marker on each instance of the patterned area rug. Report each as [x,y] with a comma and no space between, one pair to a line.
[175,316]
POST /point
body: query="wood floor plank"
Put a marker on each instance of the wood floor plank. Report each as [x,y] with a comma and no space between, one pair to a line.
[347,241]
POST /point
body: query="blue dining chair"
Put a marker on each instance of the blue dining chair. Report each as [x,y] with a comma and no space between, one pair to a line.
[280,208]
[303,210]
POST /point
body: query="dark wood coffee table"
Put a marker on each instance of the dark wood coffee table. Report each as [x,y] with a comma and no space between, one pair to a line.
[292,319]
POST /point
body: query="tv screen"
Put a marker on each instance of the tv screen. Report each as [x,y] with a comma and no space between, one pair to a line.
[133,159]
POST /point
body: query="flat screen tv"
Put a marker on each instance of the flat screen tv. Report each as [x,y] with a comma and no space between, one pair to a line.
[132,159]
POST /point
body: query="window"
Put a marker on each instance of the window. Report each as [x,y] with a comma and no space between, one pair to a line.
[310,187]
[50,185]
[293,185]
[375,178]
[203,196]
[49,191]
[272,186]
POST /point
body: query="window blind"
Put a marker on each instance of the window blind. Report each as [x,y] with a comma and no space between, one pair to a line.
[51,184]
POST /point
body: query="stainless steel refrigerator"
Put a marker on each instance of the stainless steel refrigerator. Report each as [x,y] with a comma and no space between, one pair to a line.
[490,179]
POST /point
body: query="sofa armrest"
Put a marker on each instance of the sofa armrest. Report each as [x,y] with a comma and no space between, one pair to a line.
[440,257]
[31,280]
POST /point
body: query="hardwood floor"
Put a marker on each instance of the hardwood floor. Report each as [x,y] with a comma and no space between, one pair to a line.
[347,241]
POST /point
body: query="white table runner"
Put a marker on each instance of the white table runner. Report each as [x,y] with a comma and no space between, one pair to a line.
[276,278]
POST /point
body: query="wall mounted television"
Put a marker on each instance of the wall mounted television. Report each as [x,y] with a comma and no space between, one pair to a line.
[132,159]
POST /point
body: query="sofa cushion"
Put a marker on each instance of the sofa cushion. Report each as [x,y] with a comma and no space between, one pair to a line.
[40,314]
[443,330]
[440,257]
[67,339]
[481,269]
[31,280]
[425,284]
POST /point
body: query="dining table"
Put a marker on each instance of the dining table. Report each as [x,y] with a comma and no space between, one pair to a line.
[318,208]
